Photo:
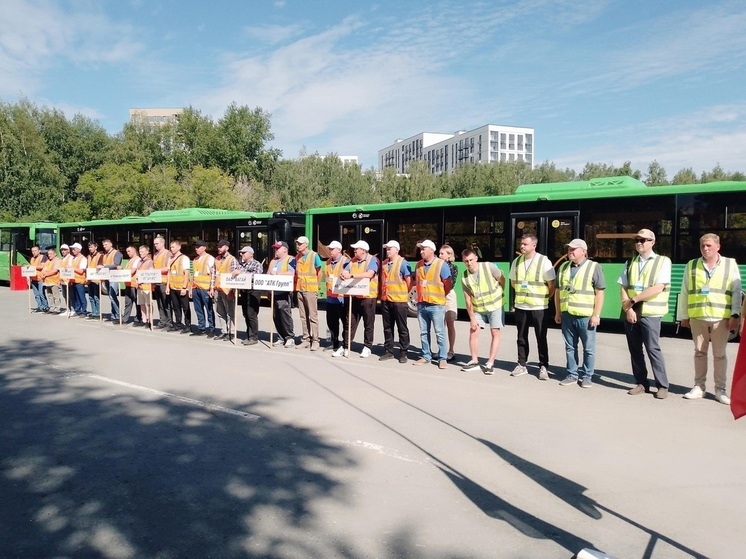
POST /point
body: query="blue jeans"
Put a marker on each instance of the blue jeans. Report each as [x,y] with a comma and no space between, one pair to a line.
[41,300]
[78,301]
[575,328]
[203,302]
[434,315]
[94,297]
[114,297]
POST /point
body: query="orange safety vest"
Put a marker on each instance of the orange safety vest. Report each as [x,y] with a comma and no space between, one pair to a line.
[94,261]
[177,272]
[223,266]
[79,263]
[36,261]
[109,257]
[357,267]
[134,265]
[202,273]
[160,261]
[333,271]
[306,275]
[393,285]
[430,288]
[67,262]
[50,265]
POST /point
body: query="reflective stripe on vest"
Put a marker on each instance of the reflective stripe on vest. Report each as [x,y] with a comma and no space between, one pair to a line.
[306,275]
[486,291]
[109,258]
[577,296]
[202,274]
[177,273]
[54,279]
[223,266]
[716,303]
[160,261]
[536,292]
[393,285]
[430,288]
[360,268]
[658,305]
[332,271]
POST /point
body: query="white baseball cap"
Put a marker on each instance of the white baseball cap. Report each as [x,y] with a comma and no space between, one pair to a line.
[62,246]
[77,245]
[392,244]
[361,244]
[426,244]
[335,244]
[302,240]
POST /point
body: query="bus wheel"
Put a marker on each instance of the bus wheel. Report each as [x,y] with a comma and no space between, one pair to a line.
[412,303]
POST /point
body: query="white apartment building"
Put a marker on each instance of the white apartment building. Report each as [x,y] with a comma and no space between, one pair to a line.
[445,152]
[154,116]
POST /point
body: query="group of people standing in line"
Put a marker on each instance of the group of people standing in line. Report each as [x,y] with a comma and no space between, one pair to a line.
[710,301]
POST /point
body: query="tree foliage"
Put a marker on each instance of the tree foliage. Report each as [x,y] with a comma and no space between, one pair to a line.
[56,168]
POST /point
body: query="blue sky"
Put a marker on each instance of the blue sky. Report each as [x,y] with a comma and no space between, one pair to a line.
[601,81]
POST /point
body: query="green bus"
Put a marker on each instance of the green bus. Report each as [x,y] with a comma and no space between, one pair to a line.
[260,230]
[16,240]
[605,212]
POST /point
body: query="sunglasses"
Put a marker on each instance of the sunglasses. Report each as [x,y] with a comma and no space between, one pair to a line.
[643,240]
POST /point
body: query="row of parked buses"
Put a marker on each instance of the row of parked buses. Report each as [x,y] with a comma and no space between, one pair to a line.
[605,212]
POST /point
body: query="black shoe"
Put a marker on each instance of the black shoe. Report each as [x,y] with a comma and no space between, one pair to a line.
[174,328]
[386,356]
[403,357]
[209,334]
[186,330]
[250,341]
[222,338]
[198,333]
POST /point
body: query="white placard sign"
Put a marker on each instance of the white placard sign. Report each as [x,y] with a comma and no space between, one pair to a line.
[241,281]
[352,286]
[67,273]
[120,275]
[268,282]
[148,276]
[28,271]
[92,274]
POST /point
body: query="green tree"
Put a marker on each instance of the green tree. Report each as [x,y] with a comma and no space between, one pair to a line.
[111,191]
[685,176]
[211,188]
[656,175]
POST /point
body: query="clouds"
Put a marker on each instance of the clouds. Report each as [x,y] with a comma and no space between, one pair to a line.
[34,35]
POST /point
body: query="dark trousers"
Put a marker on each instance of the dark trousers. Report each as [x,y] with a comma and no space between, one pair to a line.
[523,321]
[249,301]
[365,309]
[282,315]
[130,300]
[394,314]
[336,313]
[164,303]
[180,306]
[646,332]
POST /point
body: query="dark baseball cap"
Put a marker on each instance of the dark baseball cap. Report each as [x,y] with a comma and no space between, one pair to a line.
[224,243]
[200,243]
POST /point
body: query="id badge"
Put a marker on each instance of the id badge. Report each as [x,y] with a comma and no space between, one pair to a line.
[638,287]
[705,290]
[423,283]
[173,272]
[524,285]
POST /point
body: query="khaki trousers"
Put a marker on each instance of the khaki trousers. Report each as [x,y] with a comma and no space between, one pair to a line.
[705,333]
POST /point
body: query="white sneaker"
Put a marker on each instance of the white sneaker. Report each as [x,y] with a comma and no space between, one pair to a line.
[694,393]
[290,342]
[365,353]
[543,373]
[65,314]
[339,352]
[722,397]
[519,371]
[279,342]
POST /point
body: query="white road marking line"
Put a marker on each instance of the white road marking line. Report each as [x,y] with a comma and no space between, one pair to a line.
[377,448]
[67,373]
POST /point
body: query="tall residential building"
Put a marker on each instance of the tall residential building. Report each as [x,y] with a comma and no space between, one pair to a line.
[154,116]
[445,152]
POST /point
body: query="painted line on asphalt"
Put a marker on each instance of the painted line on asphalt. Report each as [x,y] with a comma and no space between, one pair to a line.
[68,373]
[377,448]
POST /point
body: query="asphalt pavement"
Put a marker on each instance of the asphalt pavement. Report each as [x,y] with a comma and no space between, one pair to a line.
[124,443]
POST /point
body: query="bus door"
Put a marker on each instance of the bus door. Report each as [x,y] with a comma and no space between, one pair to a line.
[257,237]
[82,237]
[553,229]
[149,234]
[370,231]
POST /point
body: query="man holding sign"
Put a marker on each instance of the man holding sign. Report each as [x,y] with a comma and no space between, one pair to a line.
[249,298]
[225,263]
[282,265]
[112,259]
[335,304]
[37,286]
[95,259]
[80,305]
[364,265]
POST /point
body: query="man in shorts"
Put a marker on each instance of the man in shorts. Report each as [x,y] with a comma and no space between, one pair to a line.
[483,285]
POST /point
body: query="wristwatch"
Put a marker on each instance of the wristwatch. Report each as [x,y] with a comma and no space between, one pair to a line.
[735,316]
